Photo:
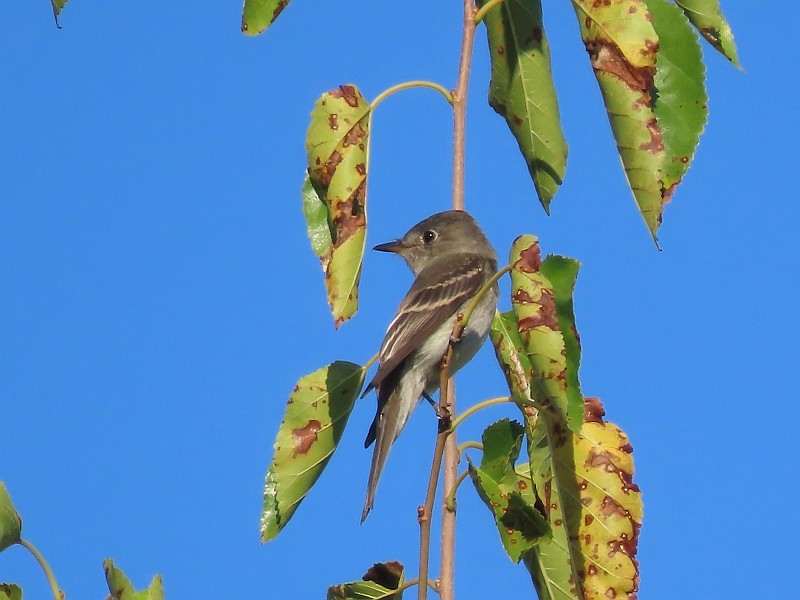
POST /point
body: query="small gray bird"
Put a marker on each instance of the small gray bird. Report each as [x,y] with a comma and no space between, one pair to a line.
[451,260]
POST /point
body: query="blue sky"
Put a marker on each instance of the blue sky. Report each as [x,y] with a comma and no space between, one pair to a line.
[158,297]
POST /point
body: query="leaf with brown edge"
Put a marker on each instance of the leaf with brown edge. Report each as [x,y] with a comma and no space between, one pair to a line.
[622,46]
[120,587]
[10,521]
[337,150]
[257,15]
[509,496]
[380,582]
[315,418]
[534,306]
[594,508]
[523,92]
[707,17]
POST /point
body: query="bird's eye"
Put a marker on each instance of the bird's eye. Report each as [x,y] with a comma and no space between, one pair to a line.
[429,236]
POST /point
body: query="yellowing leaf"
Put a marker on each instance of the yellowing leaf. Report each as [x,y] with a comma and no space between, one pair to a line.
[315,418]
[594,508]
[534,304]
[337,148]
[257,15]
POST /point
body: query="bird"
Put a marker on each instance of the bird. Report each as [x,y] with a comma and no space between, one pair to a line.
[452,260]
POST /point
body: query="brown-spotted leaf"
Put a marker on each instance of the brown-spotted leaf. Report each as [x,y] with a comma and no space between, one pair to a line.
[315,418]
[337,151]
[592,505]
[707,17]
[534,305]
[380,582]
[509,496]
[523,92]
[257,15]
[622,45]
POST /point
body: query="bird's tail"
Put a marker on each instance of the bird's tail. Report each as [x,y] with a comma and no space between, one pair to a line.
[385,427]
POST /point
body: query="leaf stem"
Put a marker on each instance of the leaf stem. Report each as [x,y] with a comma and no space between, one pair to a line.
[48,572]
[450,500]
[468,445]
[481,14]
[479,406]
[412,84]
[486,287]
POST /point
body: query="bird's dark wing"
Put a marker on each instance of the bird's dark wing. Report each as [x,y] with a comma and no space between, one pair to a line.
[435,296]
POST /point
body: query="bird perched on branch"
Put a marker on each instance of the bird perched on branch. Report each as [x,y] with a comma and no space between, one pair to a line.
[452,261]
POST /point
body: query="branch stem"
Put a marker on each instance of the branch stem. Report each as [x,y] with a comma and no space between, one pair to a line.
[450,500]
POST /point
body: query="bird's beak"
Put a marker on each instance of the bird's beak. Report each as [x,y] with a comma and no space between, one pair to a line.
[395,246]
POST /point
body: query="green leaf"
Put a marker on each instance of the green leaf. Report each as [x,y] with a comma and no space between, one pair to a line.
[381,582]
[10,521]
[707,17]
[316,213]
[337,150]
[534,306]
[523,92]
[622,45]
[10,591]
[315,418]
[594,508]
[120,587]
[562,273]
[257,15]
[509,497]
[680,97]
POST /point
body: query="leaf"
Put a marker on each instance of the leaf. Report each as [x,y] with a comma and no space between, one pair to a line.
[562,273]
[523,92]
[10,591]
[316,214]
[381,581]
[511,356]
[120,587]
[622,46]
[707,17]
[315,418]
[680,100]
[595,510]
[509,497]
[10,521]
[57,5]
[337,148]
[534,305]
[257,15]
